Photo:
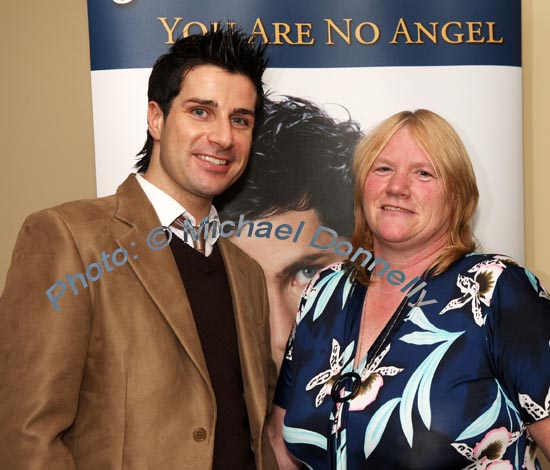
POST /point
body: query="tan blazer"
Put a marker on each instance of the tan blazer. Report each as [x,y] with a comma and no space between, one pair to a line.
[116,379]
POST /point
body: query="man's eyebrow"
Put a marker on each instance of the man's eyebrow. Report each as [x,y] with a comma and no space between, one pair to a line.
[304,261]
[214,104]
[246,111]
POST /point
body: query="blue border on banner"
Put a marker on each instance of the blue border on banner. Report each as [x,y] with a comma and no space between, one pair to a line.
[130,35]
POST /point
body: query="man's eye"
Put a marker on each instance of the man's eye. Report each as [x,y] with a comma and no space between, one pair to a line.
[304,275]
[239,121]
[199,112]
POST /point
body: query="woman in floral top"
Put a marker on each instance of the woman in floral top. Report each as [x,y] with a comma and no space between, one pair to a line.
[419,353]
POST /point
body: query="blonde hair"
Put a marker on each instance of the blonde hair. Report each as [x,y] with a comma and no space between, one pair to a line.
[452,164]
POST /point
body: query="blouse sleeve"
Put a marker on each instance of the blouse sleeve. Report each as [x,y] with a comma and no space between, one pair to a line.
[520,341]
[284,383]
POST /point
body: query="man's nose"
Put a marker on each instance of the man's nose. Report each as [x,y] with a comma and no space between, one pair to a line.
[221,133]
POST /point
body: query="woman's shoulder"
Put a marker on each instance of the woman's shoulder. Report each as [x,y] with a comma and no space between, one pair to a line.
[490,270]
[322,289]
[493,262]
[331,272]
[476,257]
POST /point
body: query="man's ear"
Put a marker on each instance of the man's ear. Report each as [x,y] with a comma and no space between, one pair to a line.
[155,119]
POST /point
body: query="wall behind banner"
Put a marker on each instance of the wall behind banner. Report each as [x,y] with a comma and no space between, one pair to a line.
[46,124]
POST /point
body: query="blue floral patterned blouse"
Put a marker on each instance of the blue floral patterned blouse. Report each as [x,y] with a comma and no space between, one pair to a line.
[449,385]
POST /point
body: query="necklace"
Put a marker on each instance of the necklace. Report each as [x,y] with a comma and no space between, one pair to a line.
[356,378]
[382,343]
[361,331]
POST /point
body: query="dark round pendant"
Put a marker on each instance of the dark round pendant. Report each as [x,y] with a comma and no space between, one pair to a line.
[340,385]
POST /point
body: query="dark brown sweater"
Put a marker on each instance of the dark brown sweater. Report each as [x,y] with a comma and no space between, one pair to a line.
[207,288]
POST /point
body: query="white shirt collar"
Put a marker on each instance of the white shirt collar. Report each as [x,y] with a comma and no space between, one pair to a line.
[168,210]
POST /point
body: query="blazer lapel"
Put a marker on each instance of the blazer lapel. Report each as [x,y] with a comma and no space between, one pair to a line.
[157,269]
[247,332]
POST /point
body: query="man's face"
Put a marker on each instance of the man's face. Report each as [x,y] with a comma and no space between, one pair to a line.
[201,147]
[288,267]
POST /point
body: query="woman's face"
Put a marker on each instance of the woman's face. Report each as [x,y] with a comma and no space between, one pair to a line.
[403,200]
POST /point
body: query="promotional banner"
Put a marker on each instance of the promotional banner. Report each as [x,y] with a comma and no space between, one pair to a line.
[335,70]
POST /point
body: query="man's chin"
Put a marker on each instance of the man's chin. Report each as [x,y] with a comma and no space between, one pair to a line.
[212,185]
[209,191]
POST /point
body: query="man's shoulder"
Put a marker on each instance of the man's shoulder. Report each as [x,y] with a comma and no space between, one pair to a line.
[75,213]
[86,213]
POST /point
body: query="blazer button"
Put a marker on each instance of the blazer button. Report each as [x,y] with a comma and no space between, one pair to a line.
[199,434]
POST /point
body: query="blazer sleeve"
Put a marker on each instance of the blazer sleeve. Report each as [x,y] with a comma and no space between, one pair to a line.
[42,350]
[271,367]
[268,460]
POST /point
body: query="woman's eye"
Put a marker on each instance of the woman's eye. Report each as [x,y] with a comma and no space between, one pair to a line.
[425,174]
[304,275]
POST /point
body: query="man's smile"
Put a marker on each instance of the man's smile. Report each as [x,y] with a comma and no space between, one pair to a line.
[213,160]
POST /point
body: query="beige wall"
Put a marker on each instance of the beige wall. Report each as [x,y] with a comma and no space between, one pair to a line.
[536,129]
[536,139]
[47,123]
[47,118]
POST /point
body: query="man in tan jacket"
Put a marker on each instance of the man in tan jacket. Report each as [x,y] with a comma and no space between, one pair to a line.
[123,346]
